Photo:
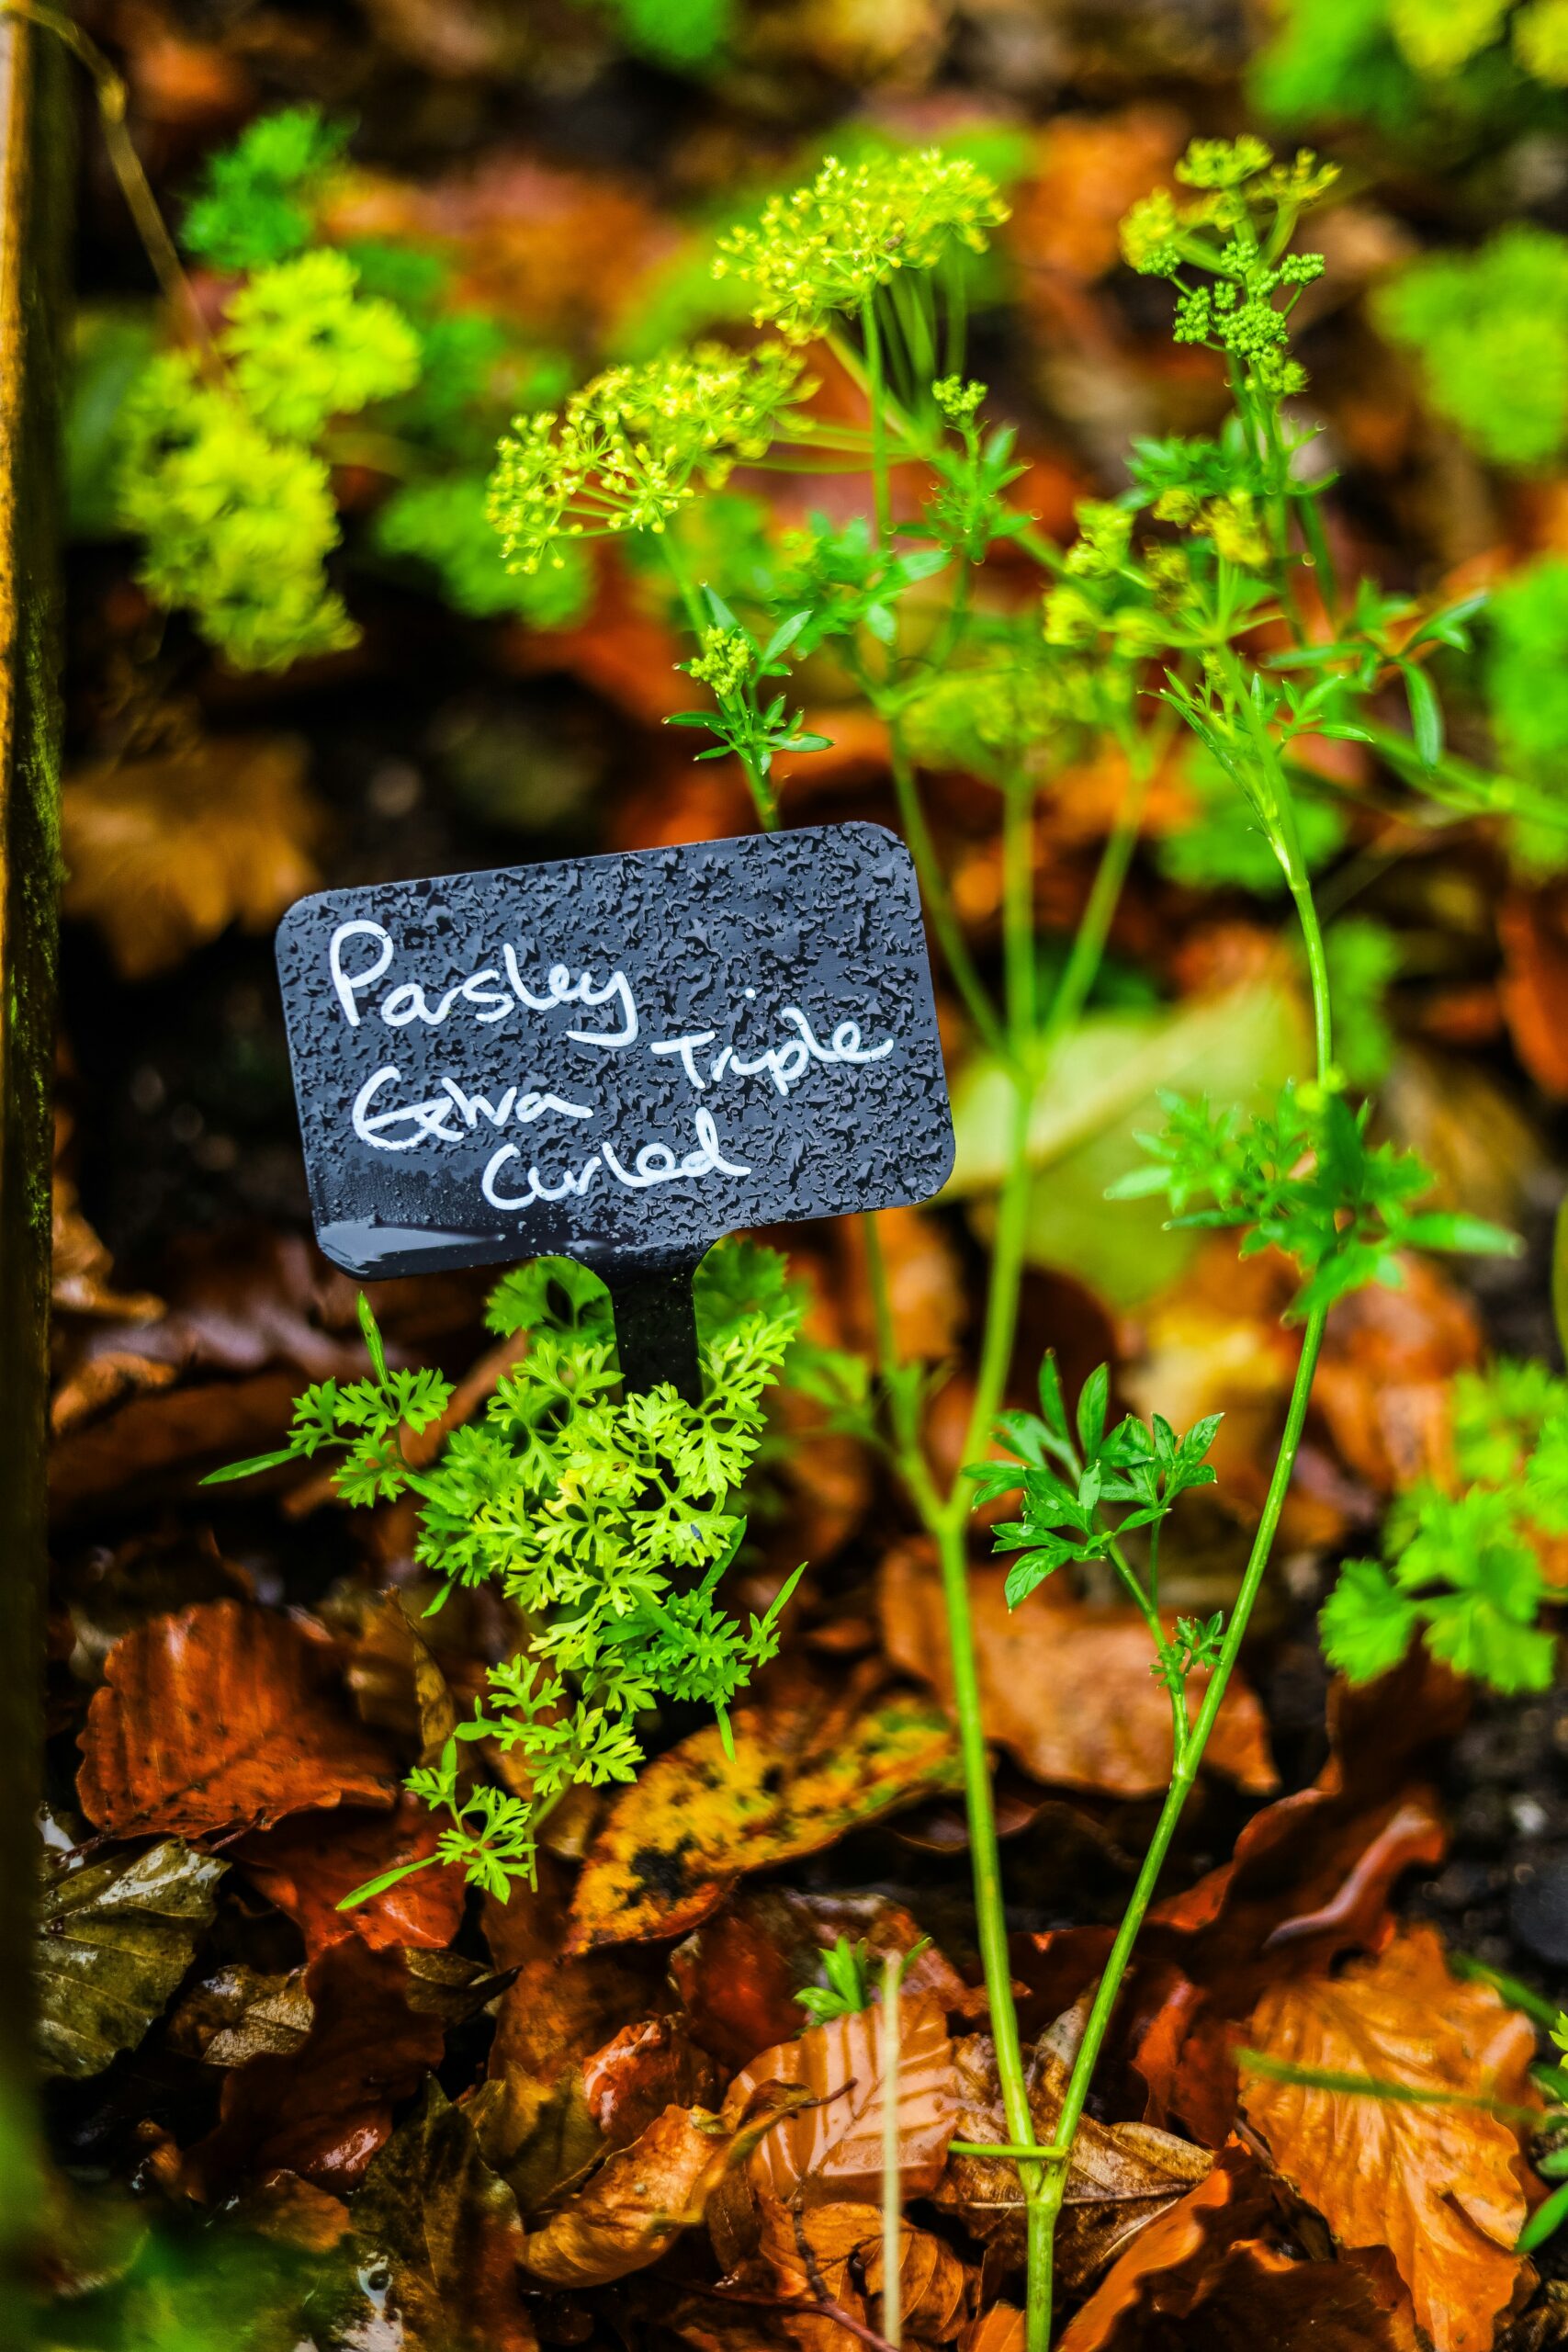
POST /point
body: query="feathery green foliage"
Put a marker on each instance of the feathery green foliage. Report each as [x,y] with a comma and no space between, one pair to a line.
[607,1521]
[1305,1181]
[256,204]
[1463,1571]
[1489,332]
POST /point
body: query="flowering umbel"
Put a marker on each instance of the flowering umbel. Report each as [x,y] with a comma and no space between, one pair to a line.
[627,450]
[828,247]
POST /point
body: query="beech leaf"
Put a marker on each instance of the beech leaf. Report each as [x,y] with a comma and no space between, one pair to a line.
[218,1716]
[831,2149]
[114,1939]
[1435,2185]
[697,1817]
[1066,1687]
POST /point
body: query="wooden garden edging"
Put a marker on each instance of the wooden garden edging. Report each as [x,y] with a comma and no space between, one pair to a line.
[36,149]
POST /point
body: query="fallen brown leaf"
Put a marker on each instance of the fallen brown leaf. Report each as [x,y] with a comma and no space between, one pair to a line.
[1066,1687]
[832,2150]
[217,1716]
[308,1863]
[437,2241]
[738,1975]
[394,1681]
[1173,2255]
[1088,170]
[115,1936]
[642,2197]
[828,2260]
[531,2111]
[1311,1875]
[1250,2295]
[82,1268]
[162,855]
[1385,1373]
[323,2110]
[1437,2184]
[799,1777]
[236,2015]
[641,2070]
[1121,2176]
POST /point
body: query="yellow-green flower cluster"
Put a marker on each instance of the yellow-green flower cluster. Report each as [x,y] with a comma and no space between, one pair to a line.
[724,661]
[627,449]
[828,247]
[236,524]
[1241,190]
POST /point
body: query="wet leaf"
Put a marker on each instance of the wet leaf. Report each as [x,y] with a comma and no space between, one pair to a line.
[114,1939]
[831,2149]
[832,2254]
[1121,2176]
[1195,2282]
[238,2015]
[1437,2184]
[323,2110]
[393,1679]
[531,2111]
[1312,1876]
[1066,1686]
[641,2070]
[436,2241]
[643,2197]
[697,1818]
[163,855]
[739,1973]
[217,1716]
[308,1863]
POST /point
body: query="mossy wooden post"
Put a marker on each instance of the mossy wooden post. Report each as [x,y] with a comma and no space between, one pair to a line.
[35,154]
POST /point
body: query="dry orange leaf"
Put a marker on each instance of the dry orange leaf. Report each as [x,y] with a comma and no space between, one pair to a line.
[1185,2239]
[832,2150]
[1066,1687]
[697,1818]
[1123,2176]
[308,1865]
[642,2197]
[805,2254]
[1437,2184]
[162,855]
[220,1716]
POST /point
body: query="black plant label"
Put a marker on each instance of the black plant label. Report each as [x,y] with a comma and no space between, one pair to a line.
[616,1059]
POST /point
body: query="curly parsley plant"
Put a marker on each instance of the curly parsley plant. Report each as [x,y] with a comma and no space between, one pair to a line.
[606,1520]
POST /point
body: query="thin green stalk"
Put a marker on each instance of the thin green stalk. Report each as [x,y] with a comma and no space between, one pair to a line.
[1186,1769]
[892,2180]
[938,899]
[882,489]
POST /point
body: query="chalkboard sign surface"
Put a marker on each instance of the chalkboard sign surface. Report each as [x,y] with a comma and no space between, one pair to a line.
[616,1059]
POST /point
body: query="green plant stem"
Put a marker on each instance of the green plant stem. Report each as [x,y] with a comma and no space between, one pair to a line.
[1181,1788]
[881,486]
[892,2179]
[1188,1758]
[938,898]
[112,97]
